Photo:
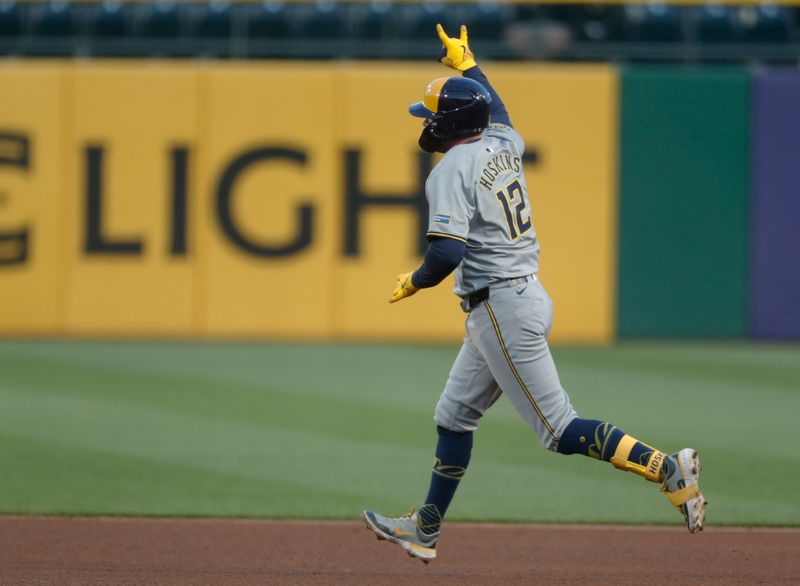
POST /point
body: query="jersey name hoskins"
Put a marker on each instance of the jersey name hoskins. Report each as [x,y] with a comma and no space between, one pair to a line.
[497,165]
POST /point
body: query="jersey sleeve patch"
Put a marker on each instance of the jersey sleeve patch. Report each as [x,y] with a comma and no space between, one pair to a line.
[441,218]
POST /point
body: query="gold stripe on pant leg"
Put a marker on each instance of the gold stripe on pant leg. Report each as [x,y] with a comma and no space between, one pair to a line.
[516,374]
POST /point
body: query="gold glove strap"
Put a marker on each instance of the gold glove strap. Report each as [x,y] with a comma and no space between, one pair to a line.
[468,63]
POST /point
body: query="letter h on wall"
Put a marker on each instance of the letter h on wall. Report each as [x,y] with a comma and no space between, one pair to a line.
[356,199]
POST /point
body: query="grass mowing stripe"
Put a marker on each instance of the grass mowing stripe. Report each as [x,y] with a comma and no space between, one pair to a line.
[322,430]
[257,453]
[770,363]
[260,404]
[343,372]
[114,484]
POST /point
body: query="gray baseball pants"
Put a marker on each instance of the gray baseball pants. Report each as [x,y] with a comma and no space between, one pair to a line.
[505,351]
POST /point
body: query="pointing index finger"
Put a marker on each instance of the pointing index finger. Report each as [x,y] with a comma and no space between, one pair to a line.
[463,38]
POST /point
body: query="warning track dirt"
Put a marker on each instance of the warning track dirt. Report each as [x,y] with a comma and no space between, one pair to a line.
[137,551]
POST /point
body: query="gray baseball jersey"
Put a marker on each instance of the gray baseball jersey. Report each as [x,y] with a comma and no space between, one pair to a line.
[477,194]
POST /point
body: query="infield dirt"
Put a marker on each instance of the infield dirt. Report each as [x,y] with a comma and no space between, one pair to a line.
[137,551]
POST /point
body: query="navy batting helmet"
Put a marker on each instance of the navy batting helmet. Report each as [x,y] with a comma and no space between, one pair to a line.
[454,107]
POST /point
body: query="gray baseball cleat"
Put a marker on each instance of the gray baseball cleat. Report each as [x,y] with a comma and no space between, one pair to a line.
[405,532]
[682,489]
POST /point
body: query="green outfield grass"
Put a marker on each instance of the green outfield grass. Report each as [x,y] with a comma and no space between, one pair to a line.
[321,431]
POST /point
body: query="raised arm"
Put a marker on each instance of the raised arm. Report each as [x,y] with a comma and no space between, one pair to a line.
[457,55]
[499,114]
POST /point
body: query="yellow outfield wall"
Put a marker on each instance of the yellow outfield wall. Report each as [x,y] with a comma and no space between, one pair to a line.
[32,195]
[274,200]
[121,276]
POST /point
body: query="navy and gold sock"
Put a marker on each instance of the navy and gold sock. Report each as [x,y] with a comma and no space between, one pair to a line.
[601,440]
[453,451]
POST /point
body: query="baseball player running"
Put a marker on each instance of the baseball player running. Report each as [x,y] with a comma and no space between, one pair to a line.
[480,226]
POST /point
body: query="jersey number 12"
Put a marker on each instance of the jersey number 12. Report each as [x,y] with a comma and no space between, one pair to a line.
[514,196]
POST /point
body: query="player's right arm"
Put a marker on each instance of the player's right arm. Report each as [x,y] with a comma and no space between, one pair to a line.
[443,256]
[457,55]
[451,209]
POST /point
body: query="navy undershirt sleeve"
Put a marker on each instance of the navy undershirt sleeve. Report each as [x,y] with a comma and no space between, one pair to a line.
[441,259]
[499,114]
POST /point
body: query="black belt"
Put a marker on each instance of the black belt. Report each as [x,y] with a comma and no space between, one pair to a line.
[478,297]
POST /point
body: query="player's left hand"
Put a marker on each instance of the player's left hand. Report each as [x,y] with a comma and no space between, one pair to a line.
[456,53]
[404,288]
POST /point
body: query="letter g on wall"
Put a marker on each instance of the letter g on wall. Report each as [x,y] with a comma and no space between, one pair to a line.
[224,203]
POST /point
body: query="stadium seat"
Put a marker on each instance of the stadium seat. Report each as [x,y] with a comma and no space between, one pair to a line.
[53,19]
[323,20]
[422,20]
[268,20]
[10,19]
[765,23]
[486,21]
[377,20]
[593,22]
[108,19]
[602,22]
[214,20]
[378,29]
[160,20]
[659,23]
[714,24]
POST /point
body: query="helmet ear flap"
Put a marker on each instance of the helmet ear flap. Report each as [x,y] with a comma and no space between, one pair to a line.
[430,141]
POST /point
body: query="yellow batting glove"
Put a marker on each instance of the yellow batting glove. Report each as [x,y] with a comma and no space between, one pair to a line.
[456,53]
[404,288]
